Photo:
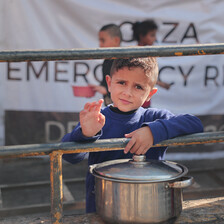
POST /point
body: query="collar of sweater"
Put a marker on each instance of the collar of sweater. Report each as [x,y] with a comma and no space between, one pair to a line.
[116,110]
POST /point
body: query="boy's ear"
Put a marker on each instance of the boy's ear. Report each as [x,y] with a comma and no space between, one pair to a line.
[117,41]
[151,93]
[108,80]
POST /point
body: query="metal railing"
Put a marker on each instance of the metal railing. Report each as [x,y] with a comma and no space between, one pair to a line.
[56,150]
[116,52]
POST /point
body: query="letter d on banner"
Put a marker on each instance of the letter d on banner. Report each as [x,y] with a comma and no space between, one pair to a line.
[50,129]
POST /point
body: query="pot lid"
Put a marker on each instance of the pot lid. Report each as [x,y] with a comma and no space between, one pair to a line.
[138,169]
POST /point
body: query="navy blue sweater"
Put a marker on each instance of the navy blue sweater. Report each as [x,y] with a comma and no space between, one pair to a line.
[163,124]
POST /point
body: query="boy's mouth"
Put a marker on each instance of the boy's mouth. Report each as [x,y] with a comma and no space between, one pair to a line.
[125,101]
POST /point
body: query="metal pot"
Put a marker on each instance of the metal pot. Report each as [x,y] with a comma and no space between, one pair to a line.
[139,190]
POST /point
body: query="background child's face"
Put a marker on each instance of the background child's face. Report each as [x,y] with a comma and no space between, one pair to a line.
[129,88]
[148,39]
[105,40]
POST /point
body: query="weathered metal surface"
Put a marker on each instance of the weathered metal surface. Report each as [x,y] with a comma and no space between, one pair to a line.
[119,52]
[204,211]
[103,145]
[193,139]
[56,187]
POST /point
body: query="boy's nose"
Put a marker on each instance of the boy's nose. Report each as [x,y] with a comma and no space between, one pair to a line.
[128,91]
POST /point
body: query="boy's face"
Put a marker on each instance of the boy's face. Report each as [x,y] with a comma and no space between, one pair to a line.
[129,89]
[105,40]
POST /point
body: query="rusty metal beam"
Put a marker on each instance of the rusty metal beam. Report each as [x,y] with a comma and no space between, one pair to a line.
[103,145]
[106,53]
[56,187]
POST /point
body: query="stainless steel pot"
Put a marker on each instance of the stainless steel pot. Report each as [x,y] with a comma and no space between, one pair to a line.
[139,190]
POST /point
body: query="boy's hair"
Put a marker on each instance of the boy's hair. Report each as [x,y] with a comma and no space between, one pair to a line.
[142,28]
[148,64]
[113,30]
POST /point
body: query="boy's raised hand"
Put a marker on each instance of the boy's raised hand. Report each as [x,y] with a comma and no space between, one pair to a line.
[91,119]
[141,141]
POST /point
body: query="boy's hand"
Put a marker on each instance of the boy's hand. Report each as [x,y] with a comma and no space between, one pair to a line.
[91,119]
[141,141]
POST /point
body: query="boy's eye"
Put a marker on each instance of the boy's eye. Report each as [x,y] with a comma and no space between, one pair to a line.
[121,82]
[138,87]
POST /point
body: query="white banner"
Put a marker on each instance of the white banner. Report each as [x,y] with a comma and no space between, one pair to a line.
[198,81]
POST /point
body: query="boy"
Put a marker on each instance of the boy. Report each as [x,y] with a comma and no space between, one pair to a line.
[109,36]
[131,83]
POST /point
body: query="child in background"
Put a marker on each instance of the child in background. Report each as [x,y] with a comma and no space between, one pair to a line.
[145,34]
[131,83]
[109,36]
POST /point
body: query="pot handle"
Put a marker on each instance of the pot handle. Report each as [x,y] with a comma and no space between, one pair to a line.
[184,182]
[91,168]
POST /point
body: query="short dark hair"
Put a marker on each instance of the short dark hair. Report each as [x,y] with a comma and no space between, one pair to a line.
[113,30]
[148,64]
[142,28]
